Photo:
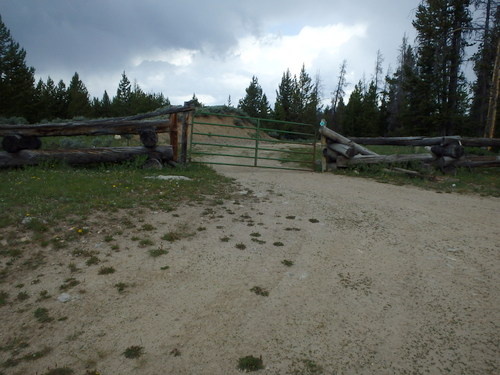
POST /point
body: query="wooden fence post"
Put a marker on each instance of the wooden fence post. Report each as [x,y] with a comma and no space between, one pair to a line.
[174,140]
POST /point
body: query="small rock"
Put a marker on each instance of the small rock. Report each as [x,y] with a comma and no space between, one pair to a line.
[64,297]
[26,220]
[169,178]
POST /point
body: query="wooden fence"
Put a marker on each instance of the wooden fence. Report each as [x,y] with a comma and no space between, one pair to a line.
[447,153]
[22,142]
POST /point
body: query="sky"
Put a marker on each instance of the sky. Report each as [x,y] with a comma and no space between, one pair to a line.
[210,48]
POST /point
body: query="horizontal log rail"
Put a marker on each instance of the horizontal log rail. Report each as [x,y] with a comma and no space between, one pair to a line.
[426,141]
[84,156]
[117,125]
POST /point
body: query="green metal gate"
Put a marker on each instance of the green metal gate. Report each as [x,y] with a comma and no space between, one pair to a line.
[252,142]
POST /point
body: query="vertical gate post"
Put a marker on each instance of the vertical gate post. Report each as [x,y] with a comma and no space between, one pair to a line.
[184,144]
[257,136]
[174,140]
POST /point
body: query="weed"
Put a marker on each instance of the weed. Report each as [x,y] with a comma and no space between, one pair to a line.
[135,238]
[23,296]
[278,243]
[60,371]
[250,363]
[240,246]
[84,253]
[260,291]
[42,315]
[255,234]
[175,352]
[121,287]
[106,270]
[69,283]
[73,268]
[37,355]
[133,351]
[115,247]
[260,242]
[225,239]
[147,227]
[165,268]
[306,367]
[292,229]
[157,252]
[201,229]
[287,262]
[108,238]
[4,296]
[44,294]
[146,242]
[314,220]
[93,260]
[291,217]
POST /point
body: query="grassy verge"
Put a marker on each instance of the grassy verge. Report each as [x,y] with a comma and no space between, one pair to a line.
[481,181]
[49,194]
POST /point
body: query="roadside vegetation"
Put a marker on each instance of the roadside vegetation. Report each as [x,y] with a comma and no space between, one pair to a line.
[481,181]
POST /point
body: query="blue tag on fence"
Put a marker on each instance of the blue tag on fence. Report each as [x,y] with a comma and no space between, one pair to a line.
[322,122]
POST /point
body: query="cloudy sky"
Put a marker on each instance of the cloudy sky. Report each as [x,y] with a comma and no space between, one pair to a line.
[208,47]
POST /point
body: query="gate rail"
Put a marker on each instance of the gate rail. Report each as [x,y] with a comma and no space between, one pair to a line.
[300,135]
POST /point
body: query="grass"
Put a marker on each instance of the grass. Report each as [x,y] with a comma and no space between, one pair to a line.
[106,270]
[480,181]
[287,262]
[250,363]
[133,352]
[56,191]
[121,287]
[4,296]
[157,252]
[42,315]
[260,291]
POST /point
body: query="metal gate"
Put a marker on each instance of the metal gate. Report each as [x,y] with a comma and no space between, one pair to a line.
[252,142]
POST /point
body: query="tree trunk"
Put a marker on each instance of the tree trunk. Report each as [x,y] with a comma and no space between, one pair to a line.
[336,137]
[15,143]
[84,156]
[339,148]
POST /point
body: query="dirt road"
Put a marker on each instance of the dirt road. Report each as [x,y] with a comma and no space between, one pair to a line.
[385,280]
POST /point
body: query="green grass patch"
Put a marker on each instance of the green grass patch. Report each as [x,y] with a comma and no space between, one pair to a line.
[155,253]
[134,351]
[42,315]
[57,192]
[250,363]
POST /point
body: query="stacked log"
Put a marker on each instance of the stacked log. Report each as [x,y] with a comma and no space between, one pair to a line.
[339,150]
[447,153]
[156,155]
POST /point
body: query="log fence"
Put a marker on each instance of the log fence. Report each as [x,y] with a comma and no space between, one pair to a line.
[446,153]
[21,143]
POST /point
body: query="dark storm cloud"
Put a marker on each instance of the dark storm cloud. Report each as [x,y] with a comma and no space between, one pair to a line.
[106,33]
[101,38]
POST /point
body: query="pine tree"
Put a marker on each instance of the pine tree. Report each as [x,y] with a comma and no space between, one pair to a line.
[16,78]
[338,94]
[255,103]
[122,100]
[78,98]
[283,107]
[484,61]
[442,36]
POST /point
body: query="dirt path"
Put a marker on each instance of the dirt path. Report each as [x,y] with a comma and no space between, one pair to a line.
[385,280]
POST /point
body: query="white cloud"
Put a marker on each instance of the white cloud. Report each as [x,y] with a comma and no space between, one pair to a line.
[180,57]
[274,53]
